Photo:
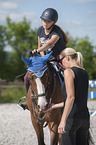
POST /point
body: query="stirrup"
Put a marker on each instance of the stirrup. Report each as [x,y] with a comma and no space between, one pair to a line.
[22,105]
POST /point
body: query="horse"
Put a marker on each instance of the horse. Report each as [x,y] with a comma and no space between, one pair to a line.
[44,90]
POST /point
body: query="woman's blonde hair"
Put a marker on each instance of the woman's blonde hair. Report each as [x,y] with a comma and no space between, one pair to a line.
[74,55]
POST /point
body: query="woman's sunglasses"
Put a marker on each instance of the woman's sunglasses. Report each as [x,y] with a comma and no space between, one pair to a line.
[61,59]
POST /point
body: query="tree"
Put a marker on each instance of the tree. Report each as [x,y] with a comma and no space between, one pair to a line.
[21,38]
[88,51]
[89,55]
[3,54]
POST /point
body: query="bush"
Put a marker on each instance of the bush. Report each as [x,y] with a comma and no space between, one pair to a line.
[12,94]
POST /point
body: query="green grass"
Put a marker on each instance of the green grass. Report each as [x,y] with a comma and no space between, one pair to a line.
[12,94]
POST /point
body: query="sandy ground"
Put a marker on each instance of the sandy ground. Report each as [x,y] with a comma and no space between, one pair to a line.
[16,127]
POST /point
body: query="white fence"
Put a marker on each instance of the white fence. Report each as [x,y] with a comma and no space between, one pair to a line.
[92,94]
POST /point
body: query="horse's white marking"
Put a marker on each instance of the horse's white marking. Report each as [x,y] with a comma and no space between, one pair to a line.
[41,89]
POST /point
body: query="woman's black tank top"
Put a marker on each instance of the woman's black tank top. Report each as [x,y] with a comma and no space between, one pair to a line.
[81,83]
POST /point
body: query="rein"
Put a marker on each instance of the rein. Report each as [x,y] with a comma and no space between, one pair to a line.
[33,92]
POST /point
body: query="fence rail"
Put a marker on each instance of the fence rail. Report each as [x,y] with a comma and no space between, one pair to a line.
[92,83]
[92,95]
[4,84]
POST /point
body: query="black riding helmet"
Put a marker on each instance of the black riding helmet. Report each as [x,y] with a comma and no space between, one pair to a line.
[49,14]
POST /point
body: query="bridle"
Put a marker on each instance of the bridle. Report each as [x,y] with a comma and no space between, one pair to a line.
[35,96]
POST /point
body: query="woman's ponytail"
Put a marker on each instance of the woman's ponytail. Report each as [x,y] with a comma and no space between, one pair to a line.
[79,59]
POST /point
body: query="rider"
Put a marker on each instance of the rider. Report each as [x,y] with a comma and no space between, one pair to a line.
[50,37]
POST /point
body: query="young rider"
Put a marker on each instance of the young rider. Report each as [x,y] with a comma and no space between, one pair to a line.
[50,36]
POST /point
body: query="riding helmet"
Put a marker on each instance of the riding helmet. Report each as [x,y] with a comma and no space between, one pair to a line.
[49,14]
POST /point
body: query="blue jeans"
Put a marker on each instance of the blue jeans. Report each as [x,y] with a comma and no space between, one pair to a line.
[76,132]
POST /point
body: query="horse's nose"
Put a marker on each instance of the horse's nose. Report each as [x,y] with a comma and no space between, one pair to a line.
[42,102]
[42,107]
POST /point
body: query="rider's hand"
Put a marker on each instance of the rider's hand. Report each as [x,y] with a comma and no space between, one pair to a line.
[34,51]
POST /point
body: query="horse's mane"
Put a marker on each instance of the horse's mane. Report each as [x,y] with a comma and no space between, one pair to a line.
[51,67]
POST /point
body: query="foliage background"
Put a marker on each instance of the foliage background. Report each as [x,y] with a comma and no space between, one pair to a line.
[22,38]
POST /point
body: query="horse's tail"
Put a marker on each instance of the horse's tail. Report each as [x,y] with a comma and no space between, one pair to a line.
[90,140]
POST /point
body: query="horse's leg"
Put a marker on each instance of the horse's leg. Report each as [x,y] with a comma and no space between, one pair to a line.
[53,133]
[39,131]
[37,127]
[60,140]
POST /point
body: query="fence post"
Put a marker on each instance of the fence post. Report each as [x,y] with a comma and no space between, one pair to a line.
[0,93]
[2,82]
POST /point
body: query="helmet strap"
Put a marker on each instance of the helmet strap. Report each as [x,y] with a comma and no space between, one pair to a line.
[50,27]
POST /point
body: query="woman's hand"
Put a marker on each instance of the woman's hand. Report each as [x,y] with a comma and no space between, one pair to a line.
[53,106]
[61,127]
[48,108]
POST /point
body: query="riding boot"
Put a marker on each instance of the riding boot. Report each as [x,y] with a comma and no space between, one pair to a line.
[23,105]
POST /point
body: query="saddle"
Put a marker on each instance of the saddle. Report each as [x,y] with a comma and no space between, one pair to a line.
[58,68]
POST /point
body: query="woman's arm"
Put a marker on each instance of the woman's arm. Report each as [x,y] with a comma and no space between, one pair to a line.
[54,106]
[69,83]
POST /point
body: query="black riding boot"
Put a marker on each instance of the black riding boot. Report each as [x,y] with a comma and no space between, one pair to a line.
[23,105]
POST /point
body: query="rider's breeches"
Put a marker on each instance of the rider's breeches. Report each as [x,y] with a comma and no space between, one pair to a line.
[26,82]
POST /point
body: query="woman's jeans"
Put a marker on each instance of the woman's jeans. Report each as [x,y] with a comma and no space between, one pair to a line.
[76,132]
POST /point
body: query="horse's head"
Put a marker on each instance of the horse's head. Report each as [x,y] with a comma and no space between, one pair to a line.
[37,66]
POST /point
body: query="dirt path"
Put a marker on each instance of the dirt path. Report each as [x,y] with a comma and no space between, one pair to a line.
[16,127]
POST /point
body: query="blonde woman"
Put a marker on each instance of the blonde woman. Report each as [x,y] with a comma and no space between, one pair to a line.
[74,123]
[75,120]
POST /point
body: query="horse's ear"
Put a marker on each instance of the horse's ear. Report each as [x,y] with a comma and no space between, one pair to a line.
[26,60]
[45,57]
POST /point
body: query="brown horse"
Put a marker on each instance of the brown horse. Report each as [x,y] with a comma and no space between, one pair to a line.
[44,91]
